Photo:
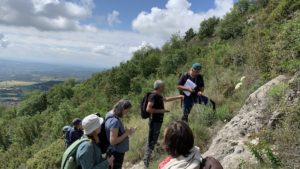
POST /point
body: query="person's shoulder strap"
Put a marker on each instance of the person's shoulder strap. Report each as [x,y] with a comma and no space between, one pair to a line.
[71,149]
[152,94]
[107,118]
[113,116]
[94,149]
[110,117]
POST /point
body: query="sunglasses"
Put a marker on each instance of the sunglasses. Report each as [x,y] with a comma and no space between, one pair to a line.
[196,71]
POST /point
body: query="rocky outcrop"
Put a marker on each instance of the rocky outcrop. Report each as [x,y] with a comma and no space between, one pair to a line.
[229,144]
[135,166]
[276,116]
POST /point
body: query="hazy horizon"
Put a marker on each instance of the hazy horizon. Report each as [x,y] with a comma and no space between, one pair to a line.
[55,64]
[90,33]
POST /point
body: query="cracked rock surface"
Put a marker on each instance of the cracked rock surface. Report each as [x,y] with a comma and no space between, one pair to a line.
[228,146]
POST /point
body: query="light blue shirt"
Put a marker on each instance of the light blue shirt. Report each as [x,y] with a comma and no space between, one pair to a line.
[115,122]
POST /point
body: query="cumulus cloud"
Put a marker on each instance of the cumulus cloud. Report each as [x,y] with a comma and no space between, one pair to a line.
[177,16]
[113,18]
[144,44]
[45,15]
[3,42]
[101,48]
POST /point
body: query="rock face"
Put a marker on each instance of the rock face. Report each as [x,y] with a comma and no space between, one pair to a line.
[229,144]
[276,116]
[135,166]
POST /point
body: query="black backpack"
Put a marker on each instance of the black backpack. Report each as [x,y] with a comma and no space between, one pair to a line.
[104,142]
[143,106]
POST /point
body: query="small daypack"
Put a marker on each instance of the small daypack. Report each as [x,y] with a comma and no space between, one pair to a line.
[69,156]
[104,142]
[66,131]
[143,106]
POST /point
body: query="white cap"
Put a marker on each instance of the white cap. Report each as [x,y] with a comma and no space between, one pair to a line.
[90,123]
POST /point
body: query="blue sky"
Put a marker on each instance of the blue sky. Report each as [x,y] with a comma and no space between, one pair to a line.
[95,33]
[130,9]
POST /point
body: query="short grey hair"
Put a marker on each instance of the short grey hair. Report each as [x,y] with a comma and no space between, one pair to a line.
[158,84]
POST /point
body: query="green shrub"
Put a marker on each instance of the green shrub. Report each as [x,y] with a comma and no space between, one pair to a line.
[264,153]
[207,27]
[223,113]
[277,91]
[35,103]
[190,34]
[49,158]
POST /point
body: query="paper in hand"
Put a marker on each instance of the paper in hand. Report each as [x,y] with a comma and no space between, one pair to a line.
[189,84]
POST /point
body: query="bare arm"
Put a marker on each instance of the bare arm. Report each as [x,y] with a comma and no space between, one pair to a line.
[114,138]
[173,98]
[150,109]
[183,88]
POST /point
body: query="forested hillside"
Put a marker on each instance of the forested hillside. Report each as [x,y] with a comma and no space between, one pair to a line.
[258,39]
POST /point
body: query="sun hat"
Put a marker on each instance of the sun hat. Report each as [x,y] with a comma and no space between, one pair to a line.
[197,66]
[90,123]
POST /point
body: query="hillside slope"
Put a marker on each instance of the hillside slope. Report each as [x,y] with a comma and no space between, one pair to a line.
[232,144]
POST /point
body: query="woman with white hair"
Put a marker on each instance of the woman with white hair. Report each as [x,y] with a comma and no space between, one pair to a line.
[89,155]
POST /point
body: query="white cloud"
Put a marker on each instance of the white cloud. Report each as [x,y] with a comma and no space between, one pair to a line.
[101,49]
[41,31]
[3,42]
[97,48]
[45,15]
[144,44]
[113,18]
[176,17]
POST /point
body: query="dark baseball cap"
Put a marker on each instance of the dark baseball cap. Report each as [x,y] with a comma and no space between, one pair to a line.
[197,66]
[76,121]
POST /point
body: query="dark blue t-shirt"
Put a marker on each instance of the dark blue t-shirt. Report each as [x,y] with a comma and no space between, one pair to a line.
[116,123]
[74,135]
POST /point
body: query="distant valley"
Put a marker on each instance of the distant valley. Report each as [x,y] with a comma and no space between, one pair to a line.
[41,72]
[18,78]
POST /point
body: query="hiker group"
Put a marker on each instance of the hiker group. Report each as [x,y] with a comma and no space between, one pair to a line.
[101,143]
